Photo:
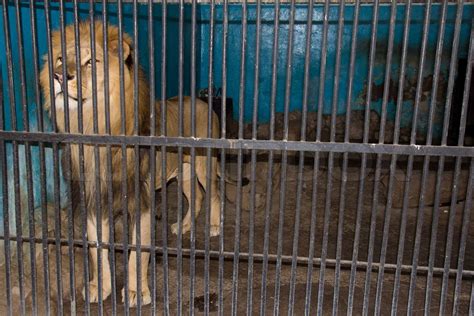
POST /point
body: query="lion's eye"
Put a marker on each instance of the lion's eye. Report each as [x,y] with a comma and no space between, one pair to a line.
[89,62]
[59,61]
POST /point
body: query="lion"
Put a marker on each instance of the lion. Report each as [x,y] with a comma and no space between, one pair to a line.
[94,182]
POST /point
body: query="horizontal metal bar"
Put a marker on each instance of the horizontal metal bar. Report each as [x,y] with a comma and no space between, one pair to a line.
[389,149]
[214,254]
[363,2]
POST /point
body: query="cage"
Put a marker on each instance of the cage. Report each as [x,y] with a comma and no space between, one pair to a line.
[326,145]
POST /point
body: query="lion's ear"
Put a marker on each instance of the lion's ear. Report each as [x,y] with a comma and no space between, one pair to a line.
[114,48]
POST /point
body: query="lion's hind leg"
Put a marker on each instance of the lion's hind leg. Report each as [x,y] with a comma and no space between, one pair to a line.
[201,171]
[187,187]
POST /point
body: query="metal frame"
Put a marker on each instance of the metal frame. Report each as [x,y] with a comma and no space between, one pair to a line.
[303,146]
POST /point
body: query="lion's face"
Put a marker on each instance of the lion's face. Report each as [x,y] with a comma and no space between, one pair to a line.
[77,71]
[72,76]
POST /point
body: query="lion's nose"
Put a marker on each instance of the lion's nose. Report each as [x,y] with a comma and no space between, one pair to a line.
[58,77]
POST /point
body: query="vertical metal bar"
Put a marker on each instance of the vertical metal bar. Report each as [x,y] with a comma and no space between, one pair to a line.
[151,52]
[235,272]
[82,198]
[39,116]
[19,226]
[124,189]
[373,217]
[347,128]
[242,69]
[301,159]
[282,198]
[373,45]
[208,161]
[402,226]
[314,196]
[322,75]
[72,280]
[136,129]
[401,241]
[434,225]
[327,206]
[41,159]
[463,240]
[109,180]
[322,72]
[452,70]
[454,192]
[95,115]
[355,250]
[164,216]
[29,179]
[386,91]
[327,214]
[50,64]
[301,153]
[225,26]
[449,236]
[309,24]
[330,163]
[299,190]
[55,157]
[208,165]
[420,214]
[388,208]
[426,27]
[439,50]
[360,192]
[282,203]
[57,229]
[307,61]
[16,182]
[180,160]
[250,272]
[238,205]
[276,29]
[64,70]
[268,201]
[269,191]
[471,303]
[37,92]
[434,229]
[192,267]
[57,219]
[221,220]
[6,215]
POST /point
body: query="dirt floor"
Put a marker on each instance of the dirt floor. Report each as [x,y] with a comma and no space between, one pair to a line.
[287,240]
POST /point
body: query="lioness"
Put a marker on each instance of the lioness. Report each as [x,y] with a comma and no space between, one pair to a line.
[53,87]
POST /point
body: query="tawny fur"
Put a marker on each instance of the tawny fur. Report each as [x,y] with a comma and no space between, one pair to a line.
[96,180]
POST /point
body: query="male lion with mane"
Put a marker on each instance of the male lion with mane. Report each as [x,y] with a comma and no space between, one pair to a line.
[55,88]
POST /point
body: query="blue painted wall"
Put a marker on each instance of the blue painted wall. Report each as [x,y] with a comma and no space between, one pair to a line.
[363,47]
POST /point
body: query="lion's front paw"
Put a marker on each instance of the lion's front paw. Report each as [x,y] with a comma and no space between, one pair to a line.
[94,292]
[133,297]
[175,228]
[214,231]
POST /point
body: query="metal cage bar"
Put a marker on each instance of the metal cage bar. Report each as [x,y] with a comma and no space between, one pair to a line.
[289,229]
